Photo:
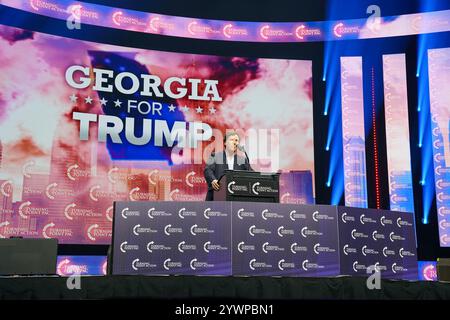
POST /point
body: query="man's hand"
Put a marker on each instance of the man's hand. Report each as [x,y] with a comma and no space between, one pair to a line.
[215,184]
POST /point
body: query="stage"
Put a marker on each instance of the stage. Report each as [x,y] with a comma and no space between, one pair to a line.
[321,135]
[218,288]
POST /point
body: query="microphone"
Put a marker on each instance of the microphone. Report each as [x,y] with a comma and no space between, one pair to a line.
[242,148]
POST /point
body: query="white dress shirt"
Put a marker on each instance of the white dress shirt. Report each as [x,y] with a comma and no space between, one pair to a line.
[230,161]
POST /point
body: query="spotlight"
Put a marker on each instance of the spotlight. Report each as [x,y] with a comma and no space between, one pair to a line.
[328,184]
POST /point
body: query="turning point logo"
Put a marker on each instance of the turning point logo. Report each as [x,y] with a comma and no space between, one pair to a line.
[66,210]
[46,227]
[254,188]
[123,213]
[229,186]
[180,213]
[116,17]
[298,31]
[191,26]
[5,190]
[225,30]
[22,209]
[153,24]
[149,213]
[69,171]
[263,31]
[89,231]
[108,213]
[150,176]
[171,193]
[92,194]
[205,213]
[3,224]
[25,167]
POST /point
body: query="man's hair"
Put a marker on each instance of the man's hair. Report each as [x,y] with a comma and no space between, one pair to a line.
[229,134]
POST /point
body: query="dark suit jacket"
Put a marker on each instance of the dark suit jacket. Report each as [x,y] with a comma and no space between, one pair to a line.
[216,166]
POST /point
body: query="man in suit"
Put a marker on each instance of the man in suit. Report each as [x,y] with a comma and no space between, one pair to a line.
[221,161]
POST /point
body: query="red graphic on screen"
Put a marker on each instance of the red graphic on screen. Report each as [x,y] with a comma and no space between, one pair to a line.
[53,184]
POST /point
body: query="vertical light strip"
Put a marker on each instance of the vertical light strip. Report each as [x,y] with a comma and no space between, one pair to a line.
[401,193]
[353,134]
[439,78]
[375,141]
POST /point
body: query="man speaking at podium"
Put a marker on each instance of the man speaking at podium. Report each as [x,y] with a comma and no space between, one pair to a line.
[221,161]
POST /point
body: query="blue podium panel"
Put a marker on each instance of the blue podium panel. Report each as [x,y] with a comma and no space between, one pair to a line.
[172,238]
[284,240]
[381,238]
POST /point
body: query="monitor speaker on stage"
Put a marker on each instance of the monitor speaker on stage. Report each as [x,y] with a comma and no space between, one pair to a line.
[443,269]
[28,256]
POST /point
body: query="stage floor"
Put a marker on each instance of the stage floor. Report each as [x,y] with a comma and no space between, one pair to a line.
[208,287]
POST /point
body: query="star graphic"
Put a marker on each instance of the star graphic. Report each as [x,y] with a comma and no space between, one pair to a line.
[103,101]
[185,109]
[199,109]
[212,110]
[88,99]
[73,98]
[117,103]
[172,108]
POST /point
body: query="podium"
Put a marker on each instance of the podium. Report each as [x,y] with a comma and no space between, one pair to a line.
[248,186]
